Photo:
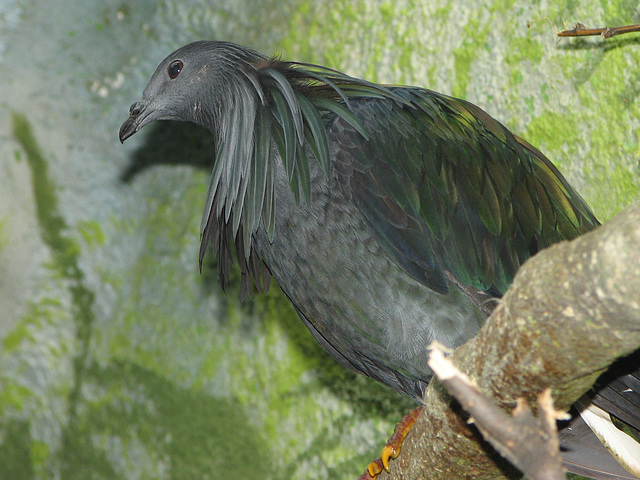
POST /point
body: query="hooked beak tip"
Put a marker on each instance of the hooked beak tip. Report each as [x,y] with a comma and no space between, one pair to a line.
[130,126]
[126,130]
[137,114]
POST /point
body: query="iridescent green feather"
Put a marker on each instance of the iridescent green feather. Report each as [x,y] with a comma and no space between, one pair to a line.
[485,195]
[445,187]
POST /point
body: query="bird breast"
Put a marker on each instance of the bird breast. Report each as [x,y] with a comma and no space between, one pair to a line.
[349,291]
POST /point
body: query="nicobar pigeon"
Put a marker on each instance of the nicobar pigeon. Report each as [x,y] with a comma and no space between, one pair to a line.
[389,215]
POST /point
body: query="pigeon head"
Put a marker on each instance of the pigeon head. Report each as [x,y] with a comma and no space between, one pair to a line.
[264,114]
[191,84]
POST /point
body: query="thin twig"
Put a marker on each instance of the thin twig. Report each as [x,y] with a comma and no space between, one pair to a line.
[581,31]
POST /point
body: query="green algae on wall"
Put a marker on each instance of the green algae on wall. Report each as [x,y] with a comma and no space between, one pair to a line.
[53,227]
[166,360]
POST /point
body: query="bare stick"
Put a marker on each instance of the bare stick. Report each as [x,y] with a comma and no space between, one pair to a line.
[581,31]
[528,441]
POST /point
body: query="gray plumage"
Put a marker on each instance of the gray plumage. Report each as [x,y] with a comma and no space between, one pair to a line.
[298,186]
[390,216]
[290,210]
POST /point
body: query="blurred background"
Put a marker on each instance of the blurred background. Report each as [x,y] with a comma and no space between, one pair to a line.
[118,359]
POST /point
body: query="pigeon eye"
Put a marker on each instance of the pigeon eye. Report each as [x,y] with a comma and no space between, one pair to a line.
[174,69]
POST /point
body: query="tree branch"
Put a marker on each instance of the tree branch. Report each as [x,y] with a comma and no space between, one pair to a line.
[572,310]
[528,441]
[579,30]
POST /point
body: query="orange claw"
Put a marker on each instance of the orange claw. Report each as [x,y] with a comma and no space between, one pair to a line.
[392,449]
[372,470]
[375,468]
[389,451]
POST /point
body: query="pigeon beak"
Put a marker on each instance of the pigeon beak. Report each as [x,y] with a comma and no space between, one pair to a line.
[139,116]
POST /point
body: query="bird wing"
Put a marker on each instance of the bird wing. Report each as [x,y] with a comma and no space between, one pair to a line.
[449,192]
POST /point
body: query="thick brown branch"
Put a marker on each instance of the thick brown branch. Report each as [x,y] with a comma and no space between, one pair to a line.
[572,310]
[579,30]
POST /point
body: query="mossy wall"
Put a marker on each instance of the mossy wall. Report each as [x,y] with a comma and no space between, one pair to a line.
[118,360]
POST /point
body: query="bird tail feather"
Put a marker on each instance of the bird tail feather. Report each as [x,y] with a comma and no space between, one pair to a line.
[622,446]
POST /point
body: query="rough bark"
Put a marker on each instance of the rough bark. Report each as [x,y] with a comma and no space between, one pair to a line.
[572,310]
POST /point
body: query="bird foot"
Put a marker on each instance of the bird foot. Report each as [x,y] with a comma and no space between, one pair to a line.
[392,449]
